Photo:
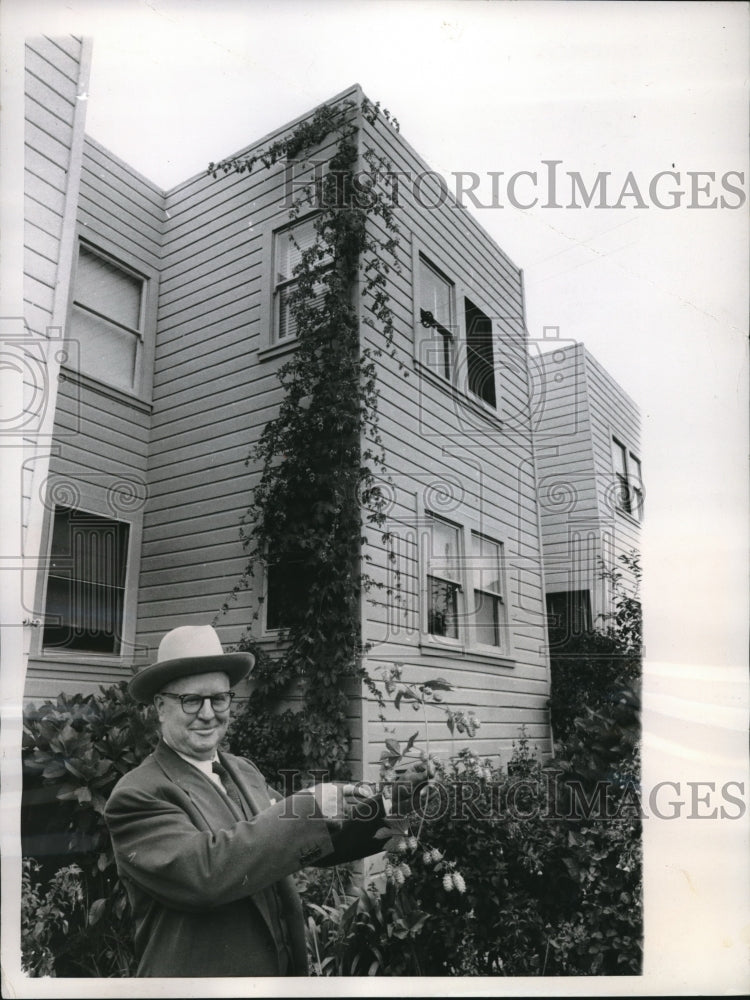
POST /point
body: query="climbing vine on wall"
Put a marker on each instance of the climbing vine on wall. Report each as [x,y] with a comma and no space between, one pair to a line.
[321,458]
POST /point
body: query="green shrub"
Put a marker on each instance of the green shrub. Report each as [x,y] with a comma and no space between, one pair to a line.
[272,740]
[515,882]
[75,749]
[599,669]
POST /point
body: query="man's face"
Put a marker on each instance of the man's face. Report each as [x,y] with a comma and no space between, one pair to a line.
[195,735]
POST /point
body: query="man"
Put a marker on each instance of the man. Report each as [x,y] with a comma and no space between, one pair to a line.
[206,856]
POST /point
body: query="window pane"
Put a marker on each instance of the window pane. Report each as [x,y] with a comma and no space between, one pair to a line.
[486,562]
[435,294]
[487,618]
[105,351]
[288,248]
[288,255]
[444,550]
[480,354]
[286,323]
[286,594]
[569,614]
[86,583]
[619,460]
[442,607]
[106,288]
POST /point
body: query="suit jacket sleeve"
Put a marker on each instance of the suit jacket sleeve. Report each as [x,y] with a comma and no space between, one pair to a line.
[159,846]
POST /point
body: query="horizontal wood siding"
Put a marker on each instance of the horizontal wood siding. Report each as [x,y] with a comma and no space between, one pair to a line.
[212,396]
[444,454]
[53,118]
[613,414]
[102,435]
[582,408]
[568,500]
[51,91]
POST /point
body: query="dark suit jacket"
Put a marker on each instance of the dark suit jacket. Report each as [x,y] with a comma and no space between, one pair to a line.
[202,884]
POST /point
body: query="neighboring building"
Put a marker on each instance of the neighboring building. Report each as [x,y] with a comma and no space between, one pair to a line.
[176,325]
[590,485]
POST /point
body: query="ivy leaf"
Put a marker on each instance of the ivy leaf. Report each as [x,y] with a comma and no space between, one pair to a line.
[96,911]
[394,746]
[438,684]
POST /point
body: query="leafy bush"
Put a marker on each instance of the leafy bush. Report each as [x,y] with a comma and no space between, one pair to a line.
[46,915]
[514,876]
[75,749]
[599,669]
[272,740]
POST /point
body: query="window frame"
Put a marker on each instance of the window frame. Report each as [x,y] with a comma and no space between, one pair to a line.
[76,583]
[269,344]
[458,383]
[629,493]
[427,321]
[470,304]
[95,500]
[144,334]
[469,581]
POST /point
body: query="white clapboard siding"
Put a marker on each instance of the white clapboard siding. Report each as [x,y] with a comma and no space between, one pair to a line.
[583,408]
[433,435]
[102,435]
[52,118]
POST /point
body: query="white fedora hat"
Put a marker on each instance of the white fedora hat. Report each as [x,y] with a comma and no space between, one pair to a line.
[184,652]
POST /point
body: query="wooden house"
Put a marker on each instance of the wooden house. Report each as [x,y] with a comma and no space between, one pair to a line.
[172,307]
[590,484]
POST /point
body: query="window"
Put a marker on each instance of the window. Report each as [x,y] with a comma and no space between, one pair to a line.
[443,579]
[289,246]
[465,595]
[436,297]
[85,583]
[629,493]
[480,361]
[569,614]
[287,589]
[489,608]
[107,318]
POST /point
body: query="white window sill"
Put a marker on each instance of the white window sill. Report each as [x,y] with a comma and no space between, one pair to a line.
[96,385]
[628,517]
[459,651]
[473,403]
[270,351]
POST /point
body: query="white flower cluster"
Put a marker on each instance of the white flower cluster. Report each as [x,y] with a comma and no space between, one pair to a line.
[453,880]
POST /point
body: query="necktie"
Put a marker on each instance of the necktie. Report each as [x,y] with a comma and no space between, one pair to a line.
[228,785]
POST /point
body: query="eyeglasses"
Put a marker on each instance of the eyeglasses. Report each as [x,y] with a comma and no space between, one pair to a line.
[193,703]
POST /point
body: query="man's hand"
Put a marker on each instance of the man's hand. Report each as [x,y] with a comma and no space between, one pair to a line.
[328,799]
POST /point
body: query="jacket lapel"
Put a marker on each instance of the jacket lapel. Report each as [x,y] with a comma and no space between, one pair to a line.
[251,786]
[212,803]
[203,793]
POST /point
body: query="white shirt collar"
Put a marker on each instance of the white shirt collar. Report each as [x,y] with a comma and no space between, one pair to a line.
[203,765]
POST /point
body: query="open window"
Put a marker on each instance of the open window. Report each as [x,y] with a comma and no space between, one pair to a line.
[627,468]
[480,360]
[287,591]
[86,583]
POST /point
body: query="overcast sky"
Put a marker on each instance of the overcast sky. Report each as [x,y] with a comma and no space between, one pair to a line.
[658,295]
